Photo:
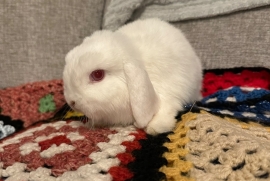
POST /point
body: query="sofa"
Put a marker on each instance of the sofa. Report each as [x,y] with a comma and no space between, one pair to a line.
[223,137]
[36,35]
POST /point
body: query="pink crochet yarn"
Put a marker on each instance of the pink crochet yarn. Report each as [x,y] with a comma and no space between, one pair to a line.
[23,102]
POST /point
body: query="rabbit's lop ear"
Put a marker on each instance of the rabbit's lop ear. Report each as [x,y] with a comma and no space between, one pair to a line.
[143,98]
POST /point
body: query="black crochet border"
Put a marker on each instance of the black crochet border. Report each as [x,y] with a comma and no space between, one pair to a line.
[149,159]
[236,70]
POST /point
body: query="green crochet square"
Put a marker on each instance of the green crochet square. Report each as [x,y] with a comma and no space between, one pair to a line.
[47,104]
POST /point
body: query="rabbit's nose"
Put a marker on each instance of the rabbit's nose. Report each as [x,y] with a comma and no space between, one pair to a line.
[72,103]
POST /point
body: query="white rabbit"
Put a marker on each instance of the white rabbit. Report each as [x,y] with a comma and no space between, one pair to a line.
[141,74]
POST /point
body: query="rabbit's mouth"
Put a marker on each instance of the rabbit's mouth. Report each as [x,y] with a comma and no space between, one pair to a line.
[73,107]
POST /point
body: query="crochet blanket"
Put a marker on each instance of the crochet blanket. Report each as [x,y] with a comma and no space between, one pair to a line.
[226,136]
[121,11]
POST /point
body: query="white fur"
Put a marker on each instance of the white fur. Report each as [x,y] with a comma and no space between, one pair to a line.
[151,72]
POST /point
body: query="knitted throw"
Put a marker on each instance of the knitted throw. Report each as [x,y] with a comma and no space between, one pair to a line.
[120,12]
[223,137]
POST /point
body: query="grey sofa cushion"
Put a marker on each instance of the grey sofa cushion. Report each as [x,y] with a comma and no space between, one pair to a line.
[35,35]
[236,40]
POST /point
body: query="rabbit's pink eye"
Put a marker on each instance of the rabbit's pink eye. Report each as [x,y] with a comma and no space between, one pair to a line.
[97,75]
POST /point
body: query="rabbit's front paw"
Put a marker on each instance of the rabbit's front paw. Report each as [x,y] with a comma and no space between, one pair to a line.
[161,124]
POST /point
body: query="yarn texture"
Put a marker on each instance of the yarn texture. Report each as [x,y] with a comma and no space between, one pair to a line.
[223,137]
[215,80]
[227,149]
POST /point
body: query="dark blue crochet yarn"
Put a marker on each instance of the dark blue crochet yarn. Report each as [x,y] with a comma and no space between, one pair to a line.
[239,94]
[249,104]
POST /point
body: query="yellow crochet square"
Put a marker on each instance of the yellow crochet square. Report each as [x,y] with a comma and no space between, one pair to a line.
[178,167]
